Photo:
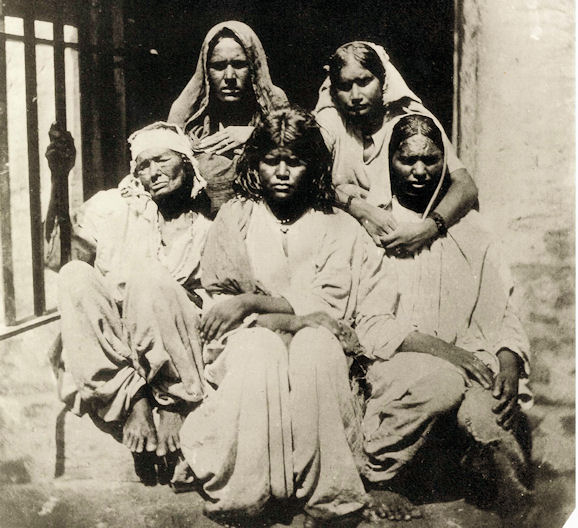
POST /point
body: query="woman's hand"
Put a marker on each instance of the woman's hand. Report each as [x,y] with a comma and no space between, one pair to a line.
[377,222]
[224,316]
[319,319]
[506,388]
[227,139]
[470,366]
[410,238]
[61,152]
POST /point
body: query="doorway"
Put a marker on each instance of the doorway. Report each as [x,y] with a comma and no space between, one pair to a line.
[163,40]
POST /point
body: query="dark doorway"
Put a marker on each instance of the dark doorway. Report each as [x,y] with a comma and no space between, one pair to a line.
[163,41]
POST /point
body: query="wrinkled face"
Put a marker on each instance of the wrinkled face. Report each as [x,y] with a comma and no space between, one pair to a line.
[282,175]
[417,167]
[229,75]
[161,171]
[358,93]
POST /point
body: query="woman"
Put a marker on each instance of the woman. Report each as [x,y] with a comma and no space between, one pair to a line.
[220,106]
[293,273]
[357,102]
[466,333]
[129,326]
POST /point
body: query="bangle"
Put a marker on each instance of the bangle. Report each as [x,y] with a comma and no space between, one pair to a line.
[439,222]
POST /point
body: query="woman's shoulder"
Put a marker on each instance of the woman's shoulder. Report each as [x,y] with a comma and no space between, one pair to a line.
[105,203]
[342,225]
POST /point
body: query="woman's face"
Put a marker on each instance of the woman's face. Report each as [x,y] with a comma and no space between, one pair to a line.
[417,166]
[282,175]
[161,171]
[358,93]
[229,74]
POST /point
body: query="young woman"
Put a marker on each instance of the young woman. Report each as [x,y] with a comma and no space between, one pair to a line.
[289,274]
[468,351]
[357,102]
[228,93]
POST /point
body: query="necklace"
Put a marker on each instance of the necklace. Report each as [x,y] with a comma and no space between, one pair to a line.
[284,224]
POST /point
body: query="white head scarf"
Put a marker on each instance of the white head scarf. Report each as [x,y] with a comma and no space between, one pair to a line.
[165,135]
[394,87]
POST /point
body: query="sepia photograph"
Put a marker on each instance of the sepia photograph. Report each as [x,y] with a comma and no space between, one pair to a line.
[287,263]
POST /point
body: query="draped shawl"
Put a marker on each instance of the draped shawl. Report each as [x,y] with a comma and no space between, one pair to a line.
[346,144]
[191,109]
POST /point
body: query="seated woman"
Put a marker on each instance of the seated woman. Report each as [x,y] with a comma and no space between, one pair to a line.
[129,327]
[280,422]
[228,93]
[468,351]
[357,102]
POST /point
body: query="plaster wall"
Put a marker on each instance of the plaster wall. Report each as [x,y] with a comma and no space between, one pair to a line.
[516,132]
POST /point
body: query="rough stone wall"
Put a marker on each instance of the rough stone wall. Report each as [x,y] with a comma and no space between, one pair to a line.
[516,133]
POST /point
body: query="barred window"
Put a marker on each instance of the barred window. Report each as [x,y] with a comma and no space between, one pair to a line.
[39,84]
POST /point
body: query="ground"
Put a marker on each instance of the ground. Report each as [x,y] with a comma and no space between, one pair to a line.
[58,470]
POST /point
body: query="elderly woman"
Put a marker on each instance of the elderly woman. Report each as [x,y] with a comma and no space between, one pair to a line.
[229,92]
[280,422]
[357,102]
[467,352]
[129,327]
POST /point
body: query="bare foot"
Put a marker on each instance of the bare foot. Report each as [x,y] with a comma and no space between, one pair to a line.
[168,432]
[139,432]
[391,506]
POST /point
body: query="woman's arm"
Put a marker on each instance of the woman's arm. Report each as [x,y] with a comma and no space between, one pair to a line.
[465,361]
[376,221]
[229,313]
[461,197]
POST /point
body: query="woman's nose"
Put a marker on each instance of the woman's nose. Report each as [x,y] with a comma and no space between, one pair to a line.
[229,72]
[282,170]
[419,169]
[354,94]
[154,168]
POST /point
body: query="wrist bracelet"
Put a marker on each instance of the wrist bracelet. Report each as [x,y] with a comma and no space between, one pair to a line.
[440,223]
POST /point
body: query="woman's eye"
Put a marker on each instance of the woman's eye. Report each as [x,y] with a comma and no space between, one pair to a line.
[218,65]
[294,162]
[343,87]
[364,82]
[431,160]
[239,64]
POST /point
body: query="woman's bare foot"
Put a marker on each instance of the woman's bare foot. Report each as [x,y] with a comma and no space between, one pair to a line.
[392,506]
[168,432]
[139,433]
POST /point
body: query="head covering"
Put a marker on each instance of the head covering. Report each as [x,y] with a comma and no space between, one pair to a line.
[190,108]
[165,135]
[394,88]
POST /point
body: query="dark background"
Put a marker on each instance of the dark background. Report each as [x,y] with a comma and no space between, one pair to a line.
[298,37]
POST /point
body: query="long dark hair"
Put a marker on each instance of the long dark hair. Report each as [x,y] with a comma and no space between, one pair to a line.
[363,53]
[296,130]
[413,125]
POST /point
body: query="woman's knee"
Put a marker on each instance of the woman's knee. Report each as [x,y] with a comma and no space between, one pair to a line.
[257,346]
[316,346]
[476,417]
[76,277]
[447,388]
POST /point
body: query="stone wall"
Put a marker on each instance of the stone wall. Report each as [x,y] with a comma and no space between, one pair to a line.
[515,131]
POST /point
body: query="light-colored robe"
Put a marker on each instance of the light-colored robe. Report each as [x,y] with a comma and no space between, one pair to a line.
[282,417]
[128,321]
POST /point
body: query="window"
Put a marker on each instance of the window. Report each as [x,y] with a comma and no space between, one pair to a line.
[39,85]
